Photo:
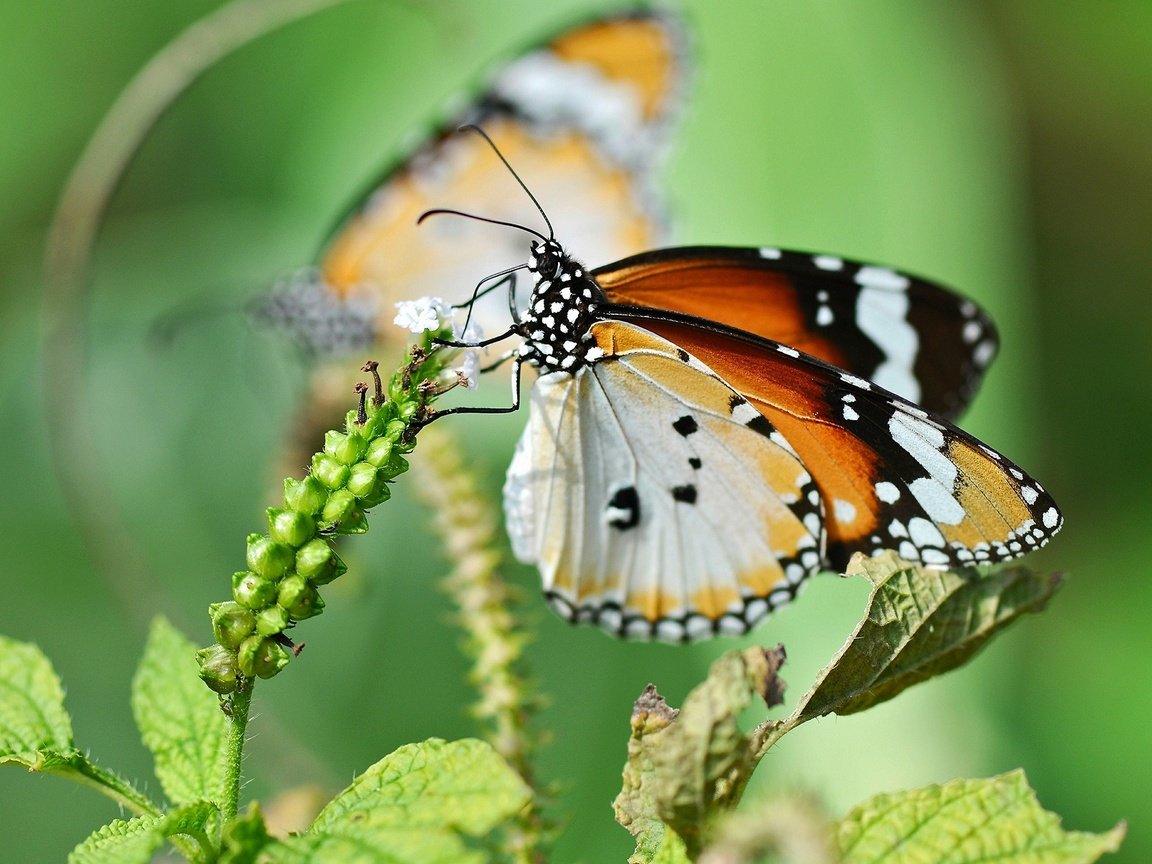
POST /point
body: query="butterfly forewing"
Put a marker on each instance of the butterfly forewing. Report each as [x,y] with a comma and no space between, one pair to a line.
[906,334]
[891,475]
[654,500]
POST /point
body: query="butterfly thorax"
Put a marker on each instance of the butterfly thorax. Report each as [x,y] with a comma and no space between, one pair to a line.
[561,311]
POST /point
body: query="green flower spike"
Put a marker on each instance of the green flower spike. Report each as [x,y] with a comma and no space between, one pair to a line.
[287,566]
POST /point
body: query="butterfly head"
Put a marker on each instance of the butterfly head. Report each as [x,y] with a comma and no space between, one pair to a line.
[546,259]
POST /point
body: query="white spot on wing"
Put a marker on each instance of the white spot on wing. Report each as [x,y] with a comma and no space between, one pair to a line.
[887,492]
[845,511]
[828,262]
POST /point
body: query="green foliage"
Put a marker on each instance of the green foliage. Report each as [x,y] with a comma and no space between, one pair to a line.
[179,720]
[920,623]
[134,841]
[687,769]
[684,765]
[414,806]
[966,822]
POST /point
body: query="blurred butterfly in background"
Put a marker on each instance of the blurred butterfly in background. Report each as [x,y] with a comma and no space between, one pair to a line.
[591,110]
[711,426]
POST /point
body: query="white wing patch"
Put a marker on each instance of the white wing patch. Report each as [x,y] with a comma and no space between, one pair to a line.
[654,500]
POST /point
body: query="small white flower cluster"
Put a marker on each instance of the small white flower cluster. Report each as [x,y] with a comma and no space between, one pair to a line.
[427,313]
[433,313]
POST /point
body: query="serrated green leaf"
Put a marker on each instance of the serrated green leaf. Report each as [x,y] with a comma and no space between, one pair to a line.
[414,806]
[179,718]
[134,841]
[32,715]
[131,841]
[36,732]
[398,846]
[967,822]
[920,623]
[684,767]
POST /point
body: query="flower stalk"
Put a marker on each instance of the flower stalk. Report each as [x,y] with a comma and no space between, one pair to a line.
[287,566]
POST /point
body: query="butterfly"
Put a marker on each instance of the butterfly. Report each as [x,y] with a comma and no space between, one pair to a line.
[591,109]
[712,425]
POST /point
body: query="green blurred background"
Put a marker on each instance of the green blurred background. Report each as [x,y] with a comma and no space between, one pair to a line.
[1001,147]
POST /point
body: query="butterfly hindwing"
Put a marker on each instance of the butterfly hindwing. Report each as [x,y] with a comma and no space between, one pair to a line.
[906,334]
[654,500]
[891,475]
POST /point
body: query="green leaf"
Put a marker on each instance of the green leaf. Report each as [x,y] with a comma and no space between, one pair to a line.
[32,715]
[135,841]
[920,623]
[413,806]
[36,733]
[967,822]
[131,841]
[179,719]
[684,766]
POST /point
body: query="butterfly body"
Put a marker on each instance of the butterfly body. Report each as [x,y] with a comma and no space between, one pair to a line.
[681,476]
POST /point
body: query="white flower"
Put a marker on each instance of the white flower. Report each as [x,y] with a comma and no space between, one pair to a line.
[472,333]
[427,313]
[469,370]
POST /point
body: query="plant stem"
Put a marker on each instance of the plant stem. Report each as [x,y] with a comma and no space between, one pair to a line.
[237,724]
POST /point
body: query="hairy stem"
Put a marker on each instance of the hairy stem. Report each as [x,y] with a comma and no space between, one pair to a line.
[237,725]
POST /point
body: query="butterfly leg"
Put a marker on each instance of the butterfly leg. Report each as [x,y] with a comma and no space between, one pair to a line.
[483,409]
[509,279]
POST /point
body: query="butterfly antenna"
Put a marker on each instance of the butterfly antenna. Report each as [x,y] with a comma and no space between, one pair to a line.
[439,211]
[473,128]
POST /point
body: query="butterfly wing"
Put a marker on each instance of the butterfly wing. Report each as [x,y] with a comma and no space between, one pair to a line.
[906,334]
[891,475]
[650,505]
[587,112]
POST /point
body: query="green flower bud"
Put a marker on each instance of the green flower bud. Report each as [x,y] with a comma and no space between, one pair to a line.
[299,599]
[340,505]
[290,527]
[261,656]
[332,440]
[267,558]
[382,494]
[231,623]
[407,408]
[351,449]
[379,451]
[252,591]
[218,669]
[394,467]
[318,562]
[356,522]
[395,429]
[305,496]
[364,479]
[328,471]
[271,621]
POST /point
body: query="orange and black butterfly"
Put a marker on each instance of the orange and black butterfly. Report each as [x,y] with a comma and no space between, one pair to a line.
[591,110]
[711,426]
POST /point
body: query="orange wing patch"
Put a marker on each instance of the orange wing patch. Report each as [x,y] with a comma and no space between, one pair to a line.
[889,474]
[641,52]
[913,337]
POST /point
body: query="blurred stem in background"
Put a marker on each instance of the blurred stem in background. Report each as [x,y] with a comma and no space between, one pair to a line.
[71,238]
